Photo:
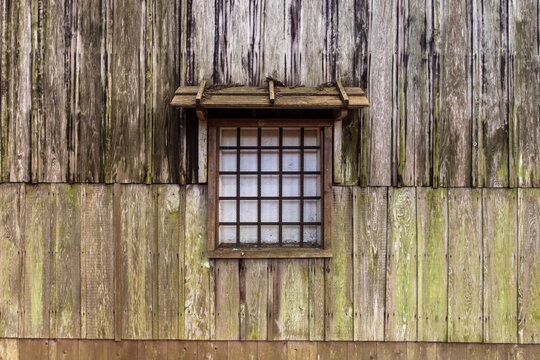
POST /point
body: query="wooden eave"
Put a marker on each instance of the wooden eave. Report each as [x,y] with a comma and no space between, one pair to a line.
[332,97]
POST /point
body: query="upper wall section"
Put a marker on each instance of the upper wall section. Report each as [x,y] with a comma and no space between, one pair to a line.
[453,85]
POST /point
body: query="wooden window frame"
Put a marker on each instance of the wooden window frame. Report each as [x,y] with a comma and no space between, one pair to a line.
[246,252]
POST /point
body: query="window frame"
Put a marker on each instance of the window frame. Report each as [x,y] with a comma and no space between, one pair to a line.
[325,249]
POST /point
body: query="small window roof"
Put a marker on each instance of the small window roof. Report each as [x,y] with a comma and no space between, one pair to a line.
[325,96]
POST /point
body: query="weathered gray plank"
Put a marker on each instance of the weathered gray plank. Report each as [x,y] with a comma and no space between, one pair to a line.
[200,42]
[127,116]
[136,261]
[97,262]
[311,29]
[339,274]
[253,299]
[10,259]
[464,265]
[346,42]
[529,266]
[432,227]
[227,299]
[67,263]
[401,282]
[274,40]
[197,266]
[369,248]
[500,265]
[452,114]
[524,114]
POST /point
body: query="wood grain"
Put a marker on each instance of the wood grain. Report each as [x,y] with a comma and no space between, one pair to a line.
[253,299]
[227,303]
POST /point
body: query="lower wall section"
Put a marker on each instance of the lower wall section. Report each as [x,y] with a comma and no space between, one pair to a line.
[11,349]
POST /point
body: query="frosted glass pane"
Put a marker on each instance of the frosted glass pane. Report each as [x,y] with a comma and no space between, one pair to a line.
[291,234]
[248,185]
[227,185]
[291,185]
[311,137]
[227,160]
[227,210]
[269,185]
[269,211]
[290,210]
[248,160]
[227,234]
[228,137]
[270,234]
[312,211]
[269,160]
[270,137]
[312,234]
[291,136]
[248,137]
[312,185]
[291,160]
[248,211]
[248,234]
[311,160]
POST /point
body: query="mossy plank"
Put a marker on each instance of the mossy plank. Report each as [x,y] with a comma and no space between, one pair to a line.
[454,116]
[291,300]
[9,349]
[97,262]
[339,272]
[529,266]
[464,265]
[227,303]
[401,280]
[67,262]
[500,265]
[432,225]
[39,234]
[253,299]
[316,301]
[127,116]
[136,261]
[10,260]
[370,211]
[197,266]
[346,158]
[170,214]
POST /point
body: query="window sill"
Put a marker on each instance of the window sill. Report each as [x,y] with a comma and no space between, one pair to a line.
[282,253]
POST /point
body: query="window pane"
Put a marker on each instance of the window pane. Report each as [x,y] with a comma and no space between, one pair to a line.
[227,161]
[248,185]
[291,185]
[270,234]
[291,234]
[227,185]
[269,211]
[228,137]
[312,234]
[248,234]
[312,211]
[312,185]
[248,160]
[248,211]
[270,137]
[269,160]
[291,136]
[227,211]
[269,185]
[248,137]
[291,210]
[311,160]
[291,160]
[227,234]
[311,137]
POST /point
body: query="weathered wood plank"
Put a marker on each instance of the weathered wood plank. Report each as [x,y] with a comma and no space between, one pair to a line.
[332,350]
[339,273]
[97,262]
[34,349]
[401,282]
[66,350]
[291,300]
[243,350]
[182,350]
[452,112]
[213,350]
[274,40]
[310,41]
[39,233]
[370,211]
[479,351]
[346,165]
[253,299]
[464,265]
[529,267]
[170,213]
[362,350]
[451,351]
[227,299]
[524,114]
[67,262]
[432,227]
[197,266]
[127,67]
[136,261]
[272,350]
[9,349]
[421,350]
[87,157]
[346,42]
[500,265]
[11,249]
[300,350]
[391,350]
[317,269]
[200,56]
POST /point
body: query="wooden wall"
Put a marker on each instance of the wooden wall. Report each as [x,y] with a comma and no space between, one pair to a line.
[453,85]
[409,264]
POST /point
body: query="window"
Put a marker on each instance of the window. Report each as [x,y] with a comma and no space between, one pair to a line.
[266,187]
